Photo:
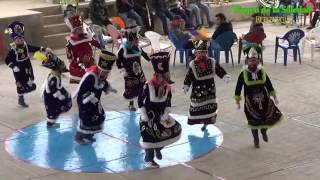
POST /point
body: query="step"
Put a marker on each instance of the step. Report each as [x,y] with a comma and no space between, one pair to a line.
[55,29]
[53,19]
[51,10]
[56,41]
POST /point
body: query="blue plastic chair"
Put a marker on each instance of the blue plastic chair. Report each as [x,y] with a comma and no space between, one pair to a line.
[225,41]
[179,45]
[289,41]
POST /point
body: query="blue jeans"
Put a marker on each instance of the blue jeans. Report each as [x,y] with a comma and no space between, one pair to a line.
[207,11]
[195,13]
[132,14]
[214,49]
[164,14]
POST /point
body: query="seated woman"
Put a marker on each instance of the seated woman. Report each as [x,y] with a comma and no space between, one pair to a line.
[179,38]
[126,11]
[222,26]
[254,27]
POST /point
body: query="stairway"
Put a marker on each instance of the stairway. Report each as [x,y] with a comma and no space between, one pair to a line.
[54,28]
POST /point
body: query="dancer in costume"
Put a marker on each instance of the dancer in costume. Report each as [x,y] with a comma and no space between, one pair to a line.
[200,78]
[259,108]
[129,63]
[79,49]
[88,95]
[18,59]
[157,127]
[57,99]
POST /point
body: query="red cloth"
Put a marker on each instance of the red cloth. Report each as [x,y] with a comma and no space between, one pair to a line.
[255,37]
[155,82]
[1,46]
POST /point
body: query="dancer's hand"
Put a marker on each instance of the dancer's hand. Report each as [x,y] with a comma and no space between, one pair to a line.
[226,78]
[276,101]
[238,104]
[143,114]
[123,72]
[16,69]
[62,97]
[185,89]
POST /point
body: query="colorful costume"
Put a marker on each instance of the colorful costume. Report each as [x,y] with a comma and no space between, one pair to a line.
[200,77]
[79,49]
[129,63]
[259,108]
[18,59]
[91,112]
[157,127]
[57,99]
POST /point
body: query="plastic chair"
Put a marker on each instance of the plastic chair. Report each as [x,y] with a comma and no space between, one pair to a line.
[154,39]
[289,41]
[252,37]
[178,44]
[313,39]
[225,41]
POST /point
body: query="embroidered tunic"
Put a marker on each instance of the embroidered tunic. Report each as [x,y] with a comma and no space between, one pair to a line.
[203,107]
[57,99]
[20,57]
[154,132]
[130,60]
[80,55]
[91,112]
[259,108]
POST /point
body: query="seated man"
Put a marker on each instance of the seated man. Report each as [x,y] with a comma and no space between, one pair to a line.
[176,8]
[161,9]
[126,11]
[222,26]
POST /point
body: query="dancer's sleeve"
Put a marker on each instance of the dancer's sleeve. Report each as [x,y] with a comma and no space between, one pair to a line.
[69,52]
[189,78]
[95,43]
[269,87]
[220,72]
[142,96]
[86,92]
[120,59]
[239,85]
[168,105]
[145,55]
[10,59]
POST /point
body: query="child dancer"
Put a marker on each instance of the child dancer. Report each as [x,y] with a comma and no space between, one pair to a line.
[79,49]
[57,99]
[259,108]
[129,63]
[18,59]
[200,77]
[157,127]
[88,95]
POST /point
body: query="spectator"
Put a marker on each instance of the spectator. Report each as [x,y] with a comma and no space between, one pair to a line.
[126,11]
[196,6]
[162,11]
[140,6]
[70,11]
[176,8]
[222,27]
[99,18]
[254,27]
[314,20]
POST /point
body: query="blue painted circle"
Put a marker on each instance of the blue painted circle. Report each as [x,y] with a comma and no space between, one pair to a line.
[116,150]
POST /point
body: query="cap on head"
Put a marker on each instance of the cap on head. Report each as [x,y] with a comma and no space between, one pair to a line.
[160,62]
[16,29]
[131,30]
[106,60]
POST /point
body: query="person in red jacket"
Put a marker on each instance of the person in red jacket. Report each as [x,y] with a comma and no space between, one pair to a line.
[79,49]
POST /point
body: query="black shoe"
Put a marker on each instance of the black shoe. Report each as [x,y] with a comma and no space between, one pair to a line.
[21,102]
[256,144]
[310,27]
[158,154]
[151,164]
[132,108]
[53,125]
[204,127]
[265,136]
[170,81]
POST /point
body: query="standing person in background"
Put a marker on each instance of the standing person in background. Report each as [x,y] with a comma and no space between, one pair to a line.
[143,9]
[196,7]
[126,11]
[161,9]
[18,59]
[99,18]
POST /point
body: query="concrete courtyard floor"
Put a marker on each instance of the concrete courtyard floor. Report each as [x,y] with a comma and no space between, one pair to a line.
[292,153]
